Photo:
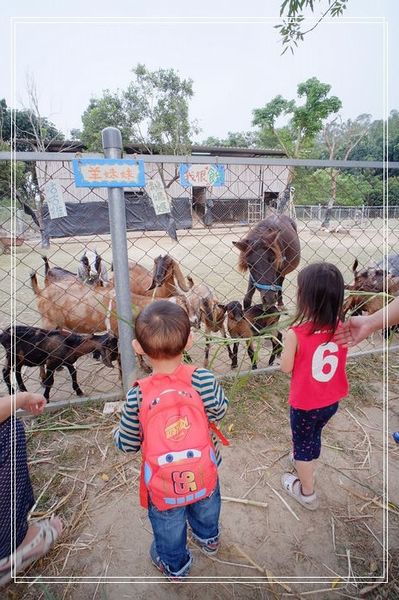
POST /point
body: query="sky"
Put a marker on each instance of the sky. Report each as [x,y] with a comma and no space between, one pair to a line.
[227,47]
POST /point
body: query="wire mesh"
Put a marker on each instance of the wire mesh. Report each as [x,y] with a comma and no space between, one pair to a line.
[208,220]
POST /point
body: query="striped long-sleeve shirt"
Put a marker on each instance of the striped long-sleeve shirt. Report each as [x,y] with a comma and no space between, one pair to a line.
[127,434]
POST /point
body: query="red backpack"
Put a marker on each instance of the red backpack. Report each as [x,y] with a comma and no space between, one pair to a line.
[178,457]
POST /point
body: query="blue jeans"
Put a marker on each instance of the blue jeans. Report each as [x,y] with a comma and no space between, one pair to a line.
[170,530]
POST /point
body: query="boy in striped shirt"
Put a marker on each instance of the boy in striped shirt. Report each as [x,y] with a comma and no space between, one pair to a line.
[162,334]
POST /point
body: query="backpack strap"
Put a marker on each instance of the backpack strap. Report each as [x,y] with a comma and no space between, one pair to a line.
[215,429]
[183,373]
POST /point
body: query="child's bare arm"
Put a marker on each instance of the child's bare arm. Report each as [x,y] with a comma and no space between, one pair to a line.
[288,354]
[29,401]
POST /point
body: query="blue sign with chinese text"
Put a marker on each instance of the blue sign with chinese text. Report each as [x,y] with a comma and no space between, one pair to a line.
[108,172]
[201,175]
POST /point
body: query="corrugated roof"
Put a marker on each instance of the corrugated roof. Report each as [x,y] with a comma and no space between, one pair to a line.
[197,150]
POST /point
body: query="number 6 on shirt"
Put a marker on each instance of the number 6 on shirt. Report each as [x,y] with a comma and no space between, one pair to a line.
[321,359]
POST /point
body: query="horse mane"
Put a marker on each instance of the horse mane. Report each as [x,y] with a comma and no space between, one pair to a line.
[242,262]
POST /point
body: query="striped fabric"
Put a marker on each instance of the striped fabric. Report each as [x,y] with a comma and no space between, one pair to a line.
[127,436]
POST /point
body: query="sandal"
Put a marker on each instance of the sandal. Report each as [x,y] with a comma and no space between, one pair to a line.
[292,486]
[46,536]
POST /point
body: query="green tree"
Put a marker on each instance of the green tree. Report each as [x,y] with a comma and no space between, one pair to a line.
[31,131]
[314,187]
[235,139]
[153,111]
[340,139]
[305,120]
[107,111]
[292,11]
[371,146]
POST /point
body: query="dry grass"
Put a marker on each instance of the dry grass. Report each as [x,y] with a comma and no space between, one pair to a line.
[75,470]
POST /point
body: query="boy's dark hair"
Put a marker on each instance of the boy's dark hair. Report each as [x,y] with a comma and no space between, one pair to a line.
[162,329]
[320,295]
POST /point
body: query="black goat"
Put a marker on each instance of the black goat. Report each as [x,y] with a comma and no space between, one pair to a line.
[249,323]
[51,350]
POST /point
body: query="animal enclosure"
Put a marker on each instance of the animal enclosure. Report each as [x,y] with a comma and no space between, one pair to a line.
[207,221]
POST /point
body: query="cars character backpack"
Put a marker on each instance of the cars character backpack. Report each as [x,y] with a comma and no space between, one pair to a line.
[178,458]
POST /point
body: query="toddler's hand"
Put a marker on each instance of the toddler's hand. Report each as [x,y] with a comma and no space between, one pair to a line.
[34,403]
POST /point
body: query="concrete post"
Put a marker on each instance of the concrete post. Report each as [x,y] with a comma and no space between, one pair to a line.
[112,146]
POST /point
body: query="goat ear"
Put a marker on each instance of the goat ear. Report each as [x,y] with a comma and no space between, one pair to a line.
[178,275]
[151,286]
[241,245]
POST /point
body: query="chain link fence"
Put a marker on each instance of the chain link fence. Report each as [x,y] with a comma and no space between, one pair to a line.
[207,220]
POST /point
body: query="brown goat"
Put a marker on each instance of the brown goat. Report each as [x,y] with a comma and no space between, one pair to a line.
[83,309]
[78,307]
[374,281]
[165,281]
[203,307]
[52,274]
[249,323]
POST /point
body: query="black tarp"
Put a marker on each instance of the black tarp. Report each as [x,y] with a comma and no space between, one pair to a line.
[91,218]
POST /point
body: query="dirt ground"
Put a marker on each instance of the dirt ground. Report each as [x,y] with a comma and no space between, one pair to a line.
[277,551]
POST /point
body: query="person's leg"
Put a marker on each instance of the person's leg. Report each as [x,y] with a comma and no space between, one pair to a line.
[300,486]
[321,418]
[203,518]
[169,550]
[31,541]
[13,443]
[305,470]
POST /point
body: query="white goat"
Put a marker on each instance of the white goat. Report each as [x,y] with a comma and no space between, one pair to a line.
[92,268]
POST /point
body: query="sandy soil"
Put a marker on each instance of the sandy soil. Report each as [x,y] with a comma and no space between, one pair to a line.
[109,535]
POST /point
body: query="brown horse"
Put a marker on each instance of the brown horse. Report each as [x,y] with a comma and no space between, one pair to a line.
[270,250]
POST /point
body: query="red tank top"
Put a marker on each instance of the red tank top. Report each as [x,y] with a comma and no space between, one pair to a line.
[318,377]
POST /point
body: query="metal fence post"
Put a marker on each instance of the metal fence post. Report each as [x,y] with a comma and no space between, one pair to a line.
[112,146]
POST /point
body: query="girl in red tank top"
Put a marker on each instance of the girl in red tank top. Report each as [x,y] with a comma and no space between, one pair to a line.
[317,364]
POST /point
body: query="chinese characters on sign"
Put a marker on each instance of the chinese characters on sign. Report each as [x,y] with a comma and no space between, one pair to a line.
[91,172]
[201,175]
[160,200]
[55,200]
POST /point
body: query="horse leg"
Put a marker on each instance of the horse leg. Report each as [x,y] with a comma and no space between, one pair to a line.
[249,295]
[280,302]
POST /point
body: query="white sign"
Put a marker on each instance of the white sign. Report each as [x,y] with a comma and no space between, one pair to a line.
[159,197]
[55,200]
